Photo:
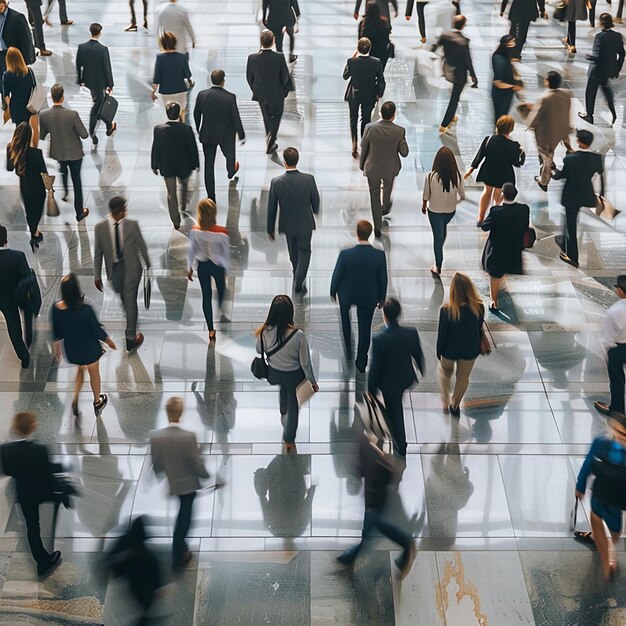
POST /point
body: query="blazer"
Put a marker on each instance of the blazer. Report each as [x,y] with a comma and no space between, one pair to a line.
[607,55]
[524,11]
[578,170]
[217,116]
[367,81]
[174,150]
[13,268]
[93,66]
[281,13]
[297,195]
[17,33]
[66,130]
[382,144]
[175,453]
[552,120]
[174,18]
[384,7]
[133,244]
[268,77]
[457,60]
[393,353]
[460,339]
[360,276]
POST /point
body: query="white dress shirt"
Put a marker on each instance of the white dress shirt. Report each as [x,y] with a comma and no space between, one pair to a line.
[615,324]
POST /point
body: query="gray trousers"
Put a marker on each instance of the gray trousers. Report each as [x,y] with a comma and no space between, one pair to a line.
[172,197]
[375,184]
[127,288]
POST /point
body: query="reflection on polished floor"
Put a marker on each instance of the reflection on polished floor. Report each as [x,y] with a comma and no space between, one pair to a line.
[487,498]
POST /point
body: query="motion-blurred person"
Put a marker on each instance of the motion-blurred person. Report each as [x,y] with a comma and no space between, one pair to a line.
[175,453]
[395,353]
[359,279]
[383,5]
[502,254]
[62,13]
[75,325]
[282,18]
[505,79]
[172,17]
[377,30]
[458,340]
[521,14]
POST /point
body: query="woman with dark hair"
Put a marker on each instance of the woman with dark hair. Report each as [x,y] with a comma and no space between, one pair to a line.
[29,165]
[75,324]
[289,361]
[575,11]
[443,190]
[377,30]
[505,78]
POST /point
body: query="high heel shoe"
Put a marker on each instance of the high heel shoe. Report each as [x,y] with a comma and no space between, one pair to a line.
[39,237]
[75,411]
[33,244]
[98,406]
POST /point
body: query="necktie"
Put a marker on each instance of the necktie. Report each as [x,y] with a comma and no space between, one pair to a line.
[118,243]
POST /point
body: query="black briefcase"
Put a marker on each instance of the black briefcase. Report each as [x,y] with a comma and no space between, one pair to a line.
[108,109]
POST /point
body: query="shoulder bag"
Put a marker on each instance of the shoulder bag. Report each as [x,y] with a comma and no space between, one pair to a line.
[38,96]
[52,208]
[485,344]
[259,367]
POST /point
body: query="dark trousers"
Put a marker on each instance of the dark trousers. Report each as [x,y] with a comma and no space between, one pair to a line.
[98,96]
[288,382]
[502,99]
[571,33]
[14,328]
[364,315]
[421,20]
[133,17]
[395,419]
[455,96]
[366,116]
[3,68]
[181,527]
[36,19]
[62,10]
[592,13]
[279,36]
[620,9]
[206,271]
[593,84]
[74,170]
[228,150]
[616,362]
[570,236]
[272,114]
[378,204]
[519,30]
[33,207]
[171,186]
[439,225]
[33,533]
[299,247]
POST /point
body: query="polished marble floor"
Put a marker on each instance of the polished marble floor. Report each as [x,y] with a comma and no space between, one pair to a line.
[488,499]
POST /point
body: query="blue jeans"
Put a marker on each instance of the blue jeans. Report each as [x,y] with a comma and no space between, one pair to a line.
[439,225]
[206,270]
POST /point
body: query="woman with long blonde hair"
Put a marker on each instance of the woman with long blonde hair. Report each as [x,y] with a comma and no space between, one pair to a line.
[458,340]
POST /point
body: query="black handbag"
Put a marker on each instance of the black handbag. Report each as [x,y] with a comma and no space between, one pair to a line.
[259,366]
[108,109]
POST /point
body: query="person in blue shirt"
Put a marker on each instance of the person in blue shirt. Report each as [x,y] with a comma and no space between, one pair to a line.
[611,448]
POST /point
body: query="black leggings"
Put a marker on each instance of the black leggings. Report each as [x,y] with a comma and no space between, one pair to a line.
[421,20]
[571,33]
[206,270]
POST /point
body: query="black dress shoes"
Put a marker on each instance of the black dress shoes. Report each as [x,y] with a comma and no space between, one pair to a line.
[44,568]
[271,149]
[587,118]
[26,361]
[133,344]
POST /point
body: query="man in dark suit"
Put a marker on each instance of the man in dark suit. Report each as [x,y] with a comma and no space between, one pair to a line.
[13,269]
[283,14]
[521,14]
[174,156]
[28,464]
[218,122]
[359,279]
[296,194]
[367,84]
[606,61]
[578,170]
[457,64]
[269,79]
[36,19]
[395,353]
[93,67]
[14,32]
[384,8]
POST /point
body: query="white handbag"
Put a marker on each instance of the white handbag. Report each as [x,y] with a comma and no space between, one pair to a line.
[38,97]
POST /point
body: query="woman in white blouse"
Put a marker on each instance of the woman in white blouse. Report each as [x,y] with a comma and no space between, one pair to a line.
[209,248]
[443,190]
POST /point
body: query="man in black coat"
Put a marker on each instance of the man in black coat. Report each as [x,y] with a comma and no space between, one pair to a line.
[269,79]
[457,64]
[521,14]
[218,122]
[359,279]
[15,33]
[367,84]
[13,269]
[282,15]
[296,194]
[93,67]
[578,170]
[28,463]
[395,353]
[606,61]
[36,19]
[174,156]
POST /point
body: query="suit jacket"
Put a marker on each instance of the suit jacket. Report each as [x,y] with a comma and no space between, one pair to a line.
[552,120]
[457,59]
[384,7]
[174,150]
[281,13]
[133,246]
[217,116]
[382,144]
[268,77]
[174,18]
[578,170]
[93,65]
[607,55]
[367,81]
[360,276]
[175,453]
[524,11]
[13,269]
[393,353]
[17,33]
[66,130]
[299,200]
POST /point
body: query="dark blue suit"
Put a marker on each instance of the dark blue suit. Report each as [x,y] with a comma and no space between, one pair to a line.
[392,371]
[359,279]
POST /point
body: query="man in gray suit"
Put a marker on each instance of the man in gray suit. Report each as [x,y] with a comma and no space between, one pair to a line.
[175,454]
[66,131]
[296,194]
[120,242]
[381,144]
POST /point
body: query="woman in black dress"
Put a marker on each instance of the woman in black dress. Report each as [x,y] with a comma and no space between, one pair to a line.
[377,30]
[500,154]
[505,78]
[75,324]
[503,250]
[29,165]
[18,81]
